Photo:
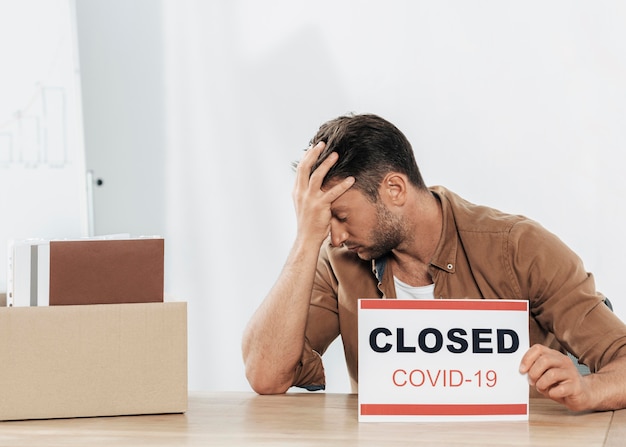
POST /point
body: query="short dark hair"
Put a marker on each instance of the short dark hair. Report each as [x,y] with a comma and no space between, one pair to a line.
[369,147]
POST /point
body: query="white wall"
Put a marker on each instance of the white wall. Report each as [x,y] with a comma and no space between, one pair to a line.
[518,105]
[121,58]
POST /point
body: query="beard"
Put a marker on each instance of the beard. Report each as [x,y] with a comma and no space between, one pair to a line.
[387,235]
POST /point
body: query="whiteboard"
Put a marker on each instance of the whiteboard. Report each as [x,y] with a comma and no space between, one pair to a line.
[43,188]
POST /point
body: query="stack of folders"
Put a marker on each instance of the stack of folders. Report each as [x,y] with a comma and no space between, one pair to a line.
[104,270]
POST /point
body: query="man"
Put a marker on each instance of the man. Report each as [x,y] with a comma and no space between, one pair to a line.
[368,227]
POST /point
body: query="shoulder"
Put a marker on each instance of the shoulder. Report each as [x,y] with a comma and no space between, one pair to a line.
[341,271]
[470,217]
[487,225]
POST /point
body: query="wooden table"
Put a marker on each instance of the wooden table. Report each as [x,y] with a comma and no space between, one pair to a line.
[312,419]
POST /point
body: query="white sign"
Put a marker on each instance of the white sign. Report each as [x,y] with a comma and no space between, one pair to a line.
[442,360]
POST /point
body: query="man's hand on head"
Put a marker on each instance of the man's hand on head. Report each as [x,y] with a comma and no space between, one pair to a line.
[312,204]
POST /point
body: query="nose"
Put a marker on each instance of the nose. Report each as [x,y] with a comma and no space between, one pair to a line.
[338,234]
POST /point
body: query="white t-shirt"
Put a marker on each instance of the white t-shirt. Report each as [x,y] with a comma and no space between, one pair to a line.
[407,292]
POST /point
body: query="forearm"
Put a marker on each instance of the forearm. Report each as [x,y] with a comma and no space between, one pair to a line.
[555,376]
[274,338]
[273,342]
[607,387]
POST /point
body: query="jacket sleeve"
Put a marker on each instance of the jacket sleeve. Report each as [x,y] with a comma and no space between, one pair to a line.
[563,297]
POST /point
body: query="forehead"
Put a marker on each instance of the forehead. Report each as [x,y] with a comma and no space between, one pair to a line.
[352,199]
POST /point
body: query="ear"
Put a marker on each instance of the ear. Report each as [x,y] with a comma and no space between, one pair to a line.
[393,189]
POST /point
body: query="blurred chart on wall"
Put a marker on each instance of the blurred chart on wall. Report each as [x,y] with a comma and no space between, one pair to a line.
[42,163]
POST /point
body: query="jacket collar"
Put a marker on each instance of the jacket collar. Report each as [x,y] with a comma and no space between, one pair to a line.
[446,251]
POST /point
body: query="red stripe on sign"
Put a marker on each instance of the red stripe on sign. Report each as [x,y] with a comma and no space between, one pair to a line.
[442,409]
[518,305]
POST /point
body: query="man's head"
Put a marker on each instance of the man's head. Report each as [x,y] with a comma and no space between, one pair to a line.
[369,147]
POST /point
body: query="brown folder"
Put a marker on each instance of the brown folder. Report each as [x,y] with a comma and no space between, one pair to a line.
[106,271]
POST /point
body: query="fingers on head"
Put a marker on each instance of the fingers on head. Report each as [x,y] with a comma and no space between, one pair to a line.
[310,156]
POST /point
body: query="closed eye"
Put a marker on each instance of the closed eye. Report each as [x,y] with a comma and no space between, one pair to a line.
[340,218]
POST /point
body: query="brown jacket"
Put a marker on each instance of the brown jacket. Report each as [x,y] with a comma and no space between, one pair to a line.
[483,253]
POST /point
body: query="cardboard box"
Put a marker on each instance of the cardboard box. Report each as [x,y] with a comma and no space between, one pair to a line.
[93,360]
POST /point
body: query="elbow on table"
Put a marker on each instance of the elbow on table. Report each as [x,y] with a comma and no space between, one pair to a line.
[263,383]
